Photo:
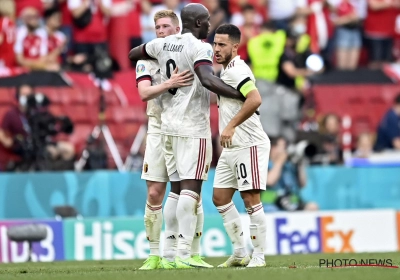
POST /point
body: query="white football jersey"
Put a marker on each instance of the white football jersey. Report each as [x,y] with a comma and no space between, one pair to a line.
[250,132]
[186,110]
[150,70]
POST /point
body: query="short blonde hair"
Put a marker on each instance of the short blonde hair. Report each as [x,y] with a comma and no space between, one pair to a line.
[7,8]
[167,14]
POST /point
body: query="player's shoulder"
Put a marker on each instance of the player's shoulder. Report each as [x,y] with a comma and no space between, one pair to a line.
[237,67]
[237,64]
[146,66]
[156,42]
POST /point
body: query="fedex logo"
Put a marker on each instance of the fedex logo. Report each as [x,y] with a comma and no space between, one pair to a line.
[316,239]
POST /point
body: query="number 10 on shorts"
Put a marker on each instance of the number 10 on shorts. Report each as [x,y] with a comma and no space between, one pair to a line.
[241,174]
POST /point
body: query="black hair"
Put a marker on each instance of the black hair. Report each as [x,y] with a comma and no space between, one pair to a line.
[18,89]
[50,12]
[247,7]
[231,30]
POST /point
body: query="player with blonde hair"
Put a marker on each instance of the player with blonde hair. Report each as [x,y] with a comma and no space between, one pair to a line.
[151,89]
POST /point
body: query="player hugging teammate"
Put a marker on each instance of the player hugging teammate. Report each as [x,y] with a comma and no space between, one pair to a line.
[181,113]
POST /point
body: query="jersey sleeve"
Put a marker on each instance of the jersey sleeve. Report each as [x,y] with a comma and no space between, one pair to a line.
[142,71]
[203,55]
[153,48]
[238,78]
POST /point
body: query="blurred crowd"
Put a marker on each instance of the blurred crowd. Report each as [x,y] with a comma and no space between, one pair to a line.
[45,34]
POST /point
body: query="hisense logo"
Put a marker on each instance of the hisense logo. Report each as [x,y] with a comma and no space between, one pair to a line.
[340,263]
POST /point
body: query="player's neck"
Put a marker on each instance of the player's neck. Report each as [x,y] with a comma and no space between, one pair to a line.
[227,63]
[193,32]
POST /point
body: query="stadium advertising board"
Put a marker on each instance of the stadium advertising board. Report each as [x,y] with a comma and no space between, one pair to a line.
[102,239]
[332,232]
[49,249]
[287,233]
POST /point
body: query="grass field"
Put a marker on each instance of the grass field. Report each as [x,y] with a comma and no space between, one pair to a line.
[307,268]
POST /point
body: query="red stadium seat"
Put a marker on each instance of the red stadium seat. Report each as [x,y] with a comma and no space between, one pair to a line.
[118,132]
[7,96]
[80,135]
[91,95]
[71,95]
[118,114]
[52,93]
[56,110]
[81,113]
[111,98]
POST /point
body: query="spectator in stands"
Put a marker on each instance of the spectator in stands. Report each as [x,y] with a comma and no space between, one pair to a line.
[250,28]
[218,17]
[147,23]
[14,129]
[56,40]
[247,14]
[292,64]
[90,24]
[174,5]
[379,29]
[7,34]
[348,35]
[388,136]
[66,20]
[135,28]
[331,144]
[285,181]
[269,45]
[31,46]
[319,26]
[365,146]
[281,12]
[16,137]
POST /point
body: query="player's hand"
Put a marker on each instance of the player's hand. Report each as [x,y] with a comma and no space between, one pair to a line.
[226,136]
[178,80]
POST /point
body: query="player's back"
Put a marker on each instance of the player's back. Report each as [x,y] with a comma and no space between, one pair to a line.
[186,112]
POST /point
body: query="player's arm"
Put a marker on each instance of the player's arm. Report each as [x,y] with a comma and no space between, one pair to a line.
[177,80]
[149,50]
[205,73]
[250,106]
[137,53]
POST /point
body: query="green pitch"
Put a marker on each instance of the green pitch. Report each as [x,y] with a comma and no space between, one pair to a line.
[307,268]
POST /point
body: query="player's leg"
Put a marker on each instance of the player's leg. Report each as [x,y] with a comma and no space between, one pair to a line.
[199,230]
[193,161]
[197,236]
[225,185]
[252,170]
[156,176]
[171,225]
[171,222]
[258,226]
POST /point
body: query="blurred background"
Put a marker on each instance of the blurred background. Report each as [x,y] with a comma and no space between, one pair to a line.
[73,127]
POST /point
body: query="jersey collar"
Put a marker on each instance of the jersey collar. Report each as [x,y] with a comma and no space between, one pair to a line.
[234,59]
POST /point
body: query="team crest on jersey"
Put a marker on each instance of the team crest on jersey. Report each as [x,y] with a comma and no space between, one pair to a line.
[210,54]
[140,68]
[145,168]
